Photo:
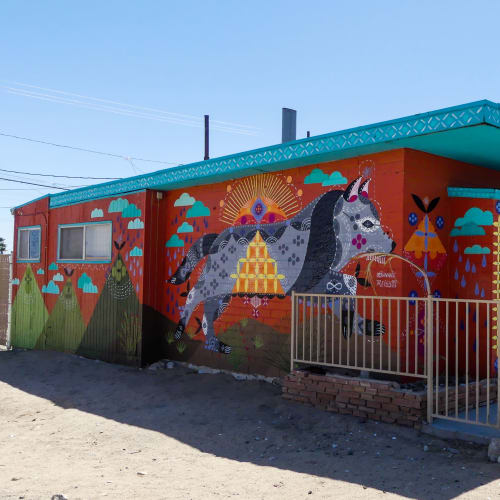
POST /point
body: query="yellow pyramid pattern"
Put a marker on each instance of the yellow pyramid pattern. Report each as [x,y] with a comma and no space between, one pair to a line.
[257,272]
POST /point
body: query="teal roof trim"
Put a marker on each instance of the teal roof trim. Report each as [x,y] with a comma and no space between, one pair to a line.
[459,192]
[344,144]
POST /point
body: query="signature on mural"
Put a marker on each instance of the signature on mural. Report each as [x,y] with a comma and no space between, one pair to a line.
[305,253]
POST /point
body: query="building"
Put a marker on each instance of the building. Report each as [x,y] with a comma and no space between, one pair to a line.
[198,262]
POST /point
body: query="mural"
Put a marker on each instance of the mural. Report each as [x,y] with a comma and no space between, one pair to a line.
[29,313]
[266,254]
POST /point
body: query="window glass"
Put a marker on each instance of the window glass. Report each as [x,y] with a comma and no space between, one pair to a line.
[98,241]
[34,237]
[23,244]
[71,243]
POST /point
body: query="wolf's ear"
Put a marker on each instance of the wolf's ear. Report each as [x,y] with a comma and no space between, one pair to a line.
[363,189]
[351,193]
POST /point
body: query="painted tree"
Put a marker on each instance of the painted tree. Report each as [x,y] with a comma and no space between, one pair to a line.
[64,329]
[29,313]
[114,330]
[3,246]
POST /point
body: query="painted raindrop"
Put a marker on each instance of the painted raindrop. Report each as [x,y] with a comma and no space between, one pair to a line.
[473,268]
[455,247]
[483,262]
[467,265]
[463,282]
[476,289]
[456,274]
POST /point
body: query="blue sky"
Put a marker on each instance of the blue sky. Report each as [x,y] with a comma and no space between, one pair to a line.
[339,63]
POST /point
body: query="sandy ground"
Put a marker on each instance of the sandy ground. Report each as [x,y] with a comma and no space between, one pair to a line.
[86,429]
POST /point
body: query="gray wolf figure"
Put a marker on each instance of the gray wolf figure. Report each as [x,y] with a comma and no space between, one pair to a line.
[310,250]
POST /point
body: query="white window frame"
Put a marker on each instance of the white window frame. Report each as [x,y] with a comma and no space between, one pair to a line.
[85,259]
[29,229]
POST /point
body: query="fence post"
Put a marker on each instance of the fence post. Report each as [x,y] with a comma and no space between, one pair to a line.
[292,333]
[429,340]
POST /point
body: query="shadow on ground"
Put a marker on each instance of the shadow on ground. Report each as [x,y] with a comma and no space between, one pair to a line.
[250,422]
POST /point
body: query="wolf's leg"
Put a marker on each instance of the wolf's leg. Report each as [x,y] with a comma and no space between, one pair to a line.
[214,307]
[352,321]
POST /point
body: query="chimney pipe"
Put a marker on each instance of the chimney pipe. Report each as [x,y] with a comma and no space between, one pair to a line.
[206,157]
[288,125]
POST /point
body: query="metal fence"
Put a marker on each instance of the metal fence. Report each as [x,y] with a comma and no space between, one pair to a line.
[450,344]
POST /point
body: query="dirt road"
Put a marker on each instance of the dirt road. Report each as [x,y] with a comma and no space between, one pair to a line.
[86,429]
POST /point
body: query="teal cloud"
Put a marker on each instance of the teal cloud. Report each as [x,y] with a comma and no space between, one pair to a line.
[89,288]
[475,216]
[317,176]
[184,200]
[118,205]
[50,287]
[15,281]
[40,271]
[85,283]
[174,241]
[477,250]
[185,227]
[335,179]
[136,252]
[58,277]
[198,210]
[53,266]
[131,211]
[96,213]
[469,229]
[83,279]
[136,224]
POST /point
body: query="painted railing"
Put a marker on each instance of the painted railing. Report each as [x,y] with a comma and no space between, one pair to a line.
[449,344]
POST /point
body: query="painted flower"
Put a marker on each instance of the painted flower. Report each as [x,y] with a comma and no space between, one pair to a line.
[439,222]
[412,218]
[359,241]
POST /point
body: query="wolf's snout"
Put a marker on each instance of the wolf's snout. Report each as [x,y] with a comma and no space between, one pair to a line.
[393,246]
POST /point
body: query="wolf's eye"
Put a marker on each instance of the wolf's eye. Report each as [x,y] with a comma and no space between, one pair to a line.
[368,224]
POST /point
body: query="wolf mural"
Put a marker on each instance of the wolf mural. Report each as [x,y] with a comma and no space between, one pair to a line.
[304,254]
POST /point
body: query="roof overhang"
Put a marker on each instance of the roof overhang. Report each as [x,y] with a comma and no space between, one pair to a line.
[469,133]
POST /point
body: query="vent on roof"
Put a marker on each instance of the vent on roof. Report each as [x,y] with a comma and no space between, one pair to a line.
[288,125]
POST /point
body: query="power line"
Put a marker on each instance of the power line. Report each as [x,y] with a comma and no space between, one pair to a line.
[65,176]
[121,111]
[94,151]
[155,110]
[35,184]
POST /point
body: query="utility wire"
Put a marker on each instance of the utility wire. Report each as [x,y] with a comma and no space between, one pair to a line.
[35,184]
[155,110]
[65,176]
[76,148]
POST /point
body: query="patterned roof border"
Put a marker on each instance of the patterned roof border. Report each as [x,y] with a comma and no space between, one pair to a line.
[310,150]
[460,192]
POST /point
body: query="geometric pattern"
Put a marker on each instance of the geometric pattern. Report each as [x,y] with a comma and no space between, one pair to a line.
[257,272]
[303,151]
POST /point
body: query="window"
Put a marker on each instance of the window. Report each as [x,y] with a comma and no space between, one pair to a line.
[86,242]
[28,243]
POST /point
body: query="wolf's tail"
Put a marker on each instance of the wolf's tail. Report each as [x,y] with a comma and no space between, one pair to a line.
[199,250]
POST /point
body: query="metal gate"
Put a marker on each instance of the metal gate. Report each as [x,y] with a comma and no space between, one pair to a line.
[450,345]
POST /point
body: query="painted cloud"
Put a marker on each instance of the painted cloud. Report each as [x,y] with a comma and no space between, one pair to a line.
[198,210]
[185,227]
[184,200]
[136,252]
[40,271]
[96,213]
[136,224]
[118,205]
[468,230]
[131,211]
[53,266]
[50,287]
[174,241]
[477,250]
[58,277]
[15,281]
[475,216]
[335,179]
[85,283]
[317,176]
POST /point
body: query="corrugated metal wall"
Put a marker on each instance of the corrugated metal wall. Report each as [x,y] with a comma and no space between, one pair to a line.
[4,297]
